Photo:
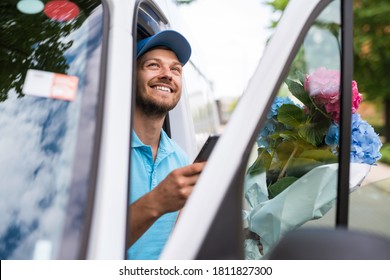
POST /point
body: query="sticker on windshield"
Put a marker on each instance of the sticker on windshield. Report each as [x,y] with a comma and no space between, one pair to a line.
[50,85]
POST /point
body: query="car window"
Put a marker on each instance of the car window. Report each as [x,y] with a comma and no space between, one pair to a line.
[50,78]
[292,172]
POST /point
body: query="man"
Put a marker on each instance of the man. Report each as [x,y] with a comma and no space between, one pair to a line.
[161,179]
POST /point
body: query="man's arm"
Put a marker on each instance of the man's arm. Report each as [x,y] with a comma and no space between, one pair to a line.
[168,196]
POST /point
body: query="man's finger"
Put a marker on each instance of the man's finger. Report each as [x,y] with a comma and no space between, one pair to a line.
[192,169]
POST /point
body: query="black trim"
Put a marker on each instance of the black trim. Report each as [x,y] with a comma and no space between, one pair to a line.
[167,126]
[345,116]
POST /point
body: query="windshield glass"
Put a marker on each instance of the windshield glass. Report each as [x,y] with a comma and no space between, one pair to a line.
[50,54]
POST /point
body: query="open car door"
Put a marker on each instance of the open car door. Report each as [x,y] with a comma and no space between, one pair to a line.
[285,164]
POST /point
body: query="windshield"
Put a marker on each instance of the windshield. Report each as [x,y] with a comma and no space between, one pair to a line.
[50,54]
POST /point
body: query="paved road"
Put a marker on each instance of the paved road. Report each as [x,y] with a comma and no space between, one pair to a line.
[378,172]
[369,204]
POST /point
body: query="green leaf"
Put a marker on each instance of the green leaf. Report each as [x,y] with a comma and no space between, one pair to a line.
[301,77]
[300,166]
[298,91]
[289,135]
[284,150]
[291,115]
[279,186]
[314,133]
[321,155]
[262,162]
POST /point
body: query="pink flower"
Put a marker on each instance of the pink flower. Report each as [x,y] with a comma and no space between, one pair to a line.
[356,97]
[324,88]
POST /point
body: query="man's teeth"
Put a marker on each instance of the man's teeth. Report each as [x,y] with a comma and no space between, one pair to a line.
[163,88]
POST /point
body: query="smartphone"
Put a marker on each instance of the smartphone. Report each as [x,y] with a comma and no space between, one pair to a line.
[208,146]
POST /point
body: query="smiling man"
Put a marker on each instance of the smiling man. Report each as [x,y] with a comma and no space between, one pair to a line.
[161,179]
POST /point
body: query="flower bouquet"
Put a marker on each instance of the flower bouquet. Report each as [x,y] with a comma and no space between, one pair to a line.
[294,177]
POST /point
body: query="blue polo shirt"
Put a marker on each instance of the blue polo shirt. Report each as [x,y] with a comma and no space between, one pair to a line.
[146,174]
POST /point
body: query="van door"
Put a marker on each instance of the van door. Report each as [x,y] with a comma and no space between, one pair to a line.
[281,169]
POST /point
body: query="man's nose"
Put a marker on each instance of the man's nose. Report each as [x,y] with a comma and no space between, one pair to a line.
[166,73]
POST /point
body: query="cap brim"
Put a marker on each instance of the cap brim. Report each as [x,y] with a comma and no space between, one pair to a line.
[170,39]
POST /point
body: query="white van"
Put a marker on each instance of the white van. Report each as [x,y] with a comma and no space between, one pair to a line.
[66,99]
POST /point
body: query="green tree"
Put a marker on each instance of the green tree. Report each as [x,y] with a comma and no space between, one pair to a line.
[372,53]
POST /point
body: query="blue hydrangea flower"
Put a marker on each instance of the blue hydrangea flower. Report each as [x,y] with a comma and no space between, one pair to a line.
[271,123]
[365,143]
[278,102]
[268,129]
[333,135]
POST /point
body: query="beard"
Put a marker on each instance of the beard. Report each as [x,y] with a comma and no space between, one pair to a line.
[153,108]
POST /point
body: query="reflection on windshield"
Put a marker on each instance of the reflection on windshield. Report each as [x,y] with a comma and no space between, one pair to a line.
[39,134]
[35,42]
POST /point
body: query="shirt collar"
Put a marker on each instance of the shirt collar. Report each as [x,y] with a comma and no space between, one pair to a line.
[135,141]
[165,145]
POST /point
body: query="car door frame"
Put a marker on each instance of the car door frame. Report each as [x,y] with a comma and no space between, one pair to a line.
[216,182]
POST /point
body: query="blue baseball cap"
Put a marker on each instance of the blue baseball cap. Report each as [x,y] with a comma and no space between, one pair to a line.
[168,38]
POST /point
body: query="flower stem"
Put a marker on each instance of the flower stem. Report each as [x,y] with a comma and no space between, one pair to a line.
[318,109]
[281,174]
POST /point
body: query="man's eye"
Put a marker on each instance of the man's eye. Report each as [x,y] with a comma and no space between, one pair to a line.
[153,65]
[176,69]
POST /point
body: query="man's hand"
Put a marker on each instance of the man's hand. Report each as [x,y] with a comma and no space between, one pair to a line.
[172,193]
[168,196]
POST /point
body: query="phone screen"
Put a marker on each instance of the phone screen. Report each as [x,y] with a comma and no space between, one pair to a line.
[207,148]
